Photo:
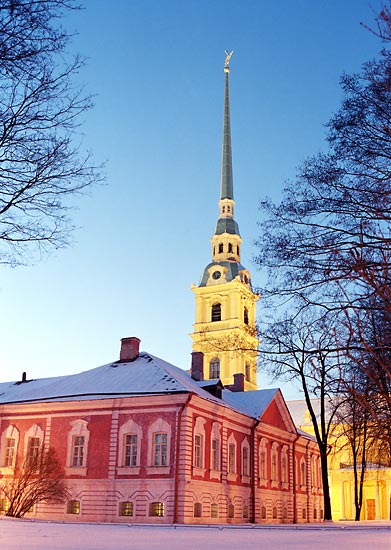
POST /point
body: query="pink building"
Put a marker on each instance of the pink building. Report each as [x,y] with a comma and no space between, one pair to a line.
[142,441]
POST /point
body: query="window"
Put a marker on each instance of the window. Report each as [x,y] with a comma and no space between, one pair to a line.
[284,465]
[198,451]
[131,446]
[263,512]
[160,449]
[126,509]
[214,512]
[73,507]
[216,312]
[274,512]
[33,448]
[302,472]
[245,511]
[231,511]
[10,445]
[78,451]
[274,462]
[247,373]
[221,248]
[263,460]
[4,505]
[214,368]
[231,455]
[304,513]
[237,250]
[245,316]
[197,510]
[129,443]
[215,454]
[156,509]
[245,459]
[78,438]
[230,248]
[215,460]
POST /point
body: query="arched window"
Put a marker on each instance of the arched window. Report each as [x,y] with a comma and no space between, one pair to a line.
[216,312]
[214,368]
[215,460]
[284,464]
[302,472]
[9,446]
[230,248]
[197,510]
[245,316]
[237,250]
[221,248]
[262,460]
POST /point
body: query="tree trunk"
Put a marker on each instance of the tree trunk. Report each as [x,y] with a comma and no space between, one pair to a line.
[326,488]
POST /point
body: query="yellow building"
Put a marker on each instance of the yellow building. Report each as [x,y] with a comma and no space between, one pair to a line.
[377,481]
[224,328]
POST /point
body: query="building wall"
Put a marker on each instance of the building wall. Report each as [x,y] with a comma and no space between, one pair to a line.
[190,487]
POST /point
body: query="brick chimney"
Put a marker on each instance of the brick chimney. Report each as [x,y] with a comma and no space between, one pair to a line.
[197,365]
[238,384]
[129,349]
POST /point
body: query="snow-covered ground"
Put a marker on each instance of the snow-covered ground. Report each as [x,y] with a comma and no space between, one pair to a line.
[21,535]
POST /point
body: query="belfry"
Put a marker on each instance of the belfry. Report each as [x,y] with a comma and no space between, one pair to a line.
[224,328]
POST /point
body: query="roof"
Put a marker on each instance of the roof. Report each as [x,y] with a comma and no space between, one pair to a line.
[252,403]
[145,375]
[227,225]
[233,269]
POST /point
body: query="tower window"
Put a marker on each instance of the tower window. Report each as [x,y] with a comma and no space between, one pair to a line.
[228,209]
[214,369]
[221,248]
[216,312]
[237,250]
[248,372]
[245,316]
[223,209]
[230,248]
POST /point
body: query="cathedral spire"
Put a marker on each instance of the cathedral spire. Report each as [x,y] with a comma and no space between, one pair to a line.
[226,163]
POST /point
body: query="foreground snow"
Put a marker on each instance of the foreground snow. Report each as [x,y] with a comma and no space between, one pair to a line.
[23,535]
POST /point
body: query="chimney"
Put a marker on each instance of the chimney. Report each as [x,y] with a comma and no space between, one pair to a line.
[238,384]
[197,365]
[129,349]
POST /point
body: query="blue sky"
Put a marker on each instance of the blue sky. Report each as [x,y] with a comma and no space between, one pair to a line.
[156,68]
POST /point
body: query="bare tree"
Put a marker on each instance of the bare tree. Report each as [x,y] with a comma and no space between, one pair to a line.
[38,480]
[305,352]
[41,160]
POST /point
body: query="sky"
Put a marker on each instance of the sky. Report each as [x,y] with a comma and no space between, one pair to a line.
[60,536]
[155,68]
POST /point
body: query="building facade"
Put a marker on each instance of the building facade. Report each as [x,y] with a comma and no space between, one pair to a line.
[141,441]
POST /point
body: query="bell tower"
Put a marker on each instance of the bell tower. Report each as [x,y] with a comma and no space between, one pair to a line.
[224,328]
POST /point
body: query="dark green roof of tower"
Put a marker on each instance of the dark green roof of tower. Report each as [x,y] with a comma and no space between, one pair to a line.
[232,270]
[227,190]
[227,225]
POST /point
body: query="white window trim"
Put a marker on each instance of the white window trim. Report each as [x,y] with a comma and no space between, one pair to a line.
[215,434]
[232,476]
[245,444]
[128,428]
[11,432]
[263,449]
[159,426]
[199,429]
[34,431]
[274,458]
[78,427]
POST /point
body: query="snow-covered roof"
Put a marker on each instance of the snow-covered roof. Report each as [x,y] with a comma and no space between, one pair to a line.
[252,403]
[147,374]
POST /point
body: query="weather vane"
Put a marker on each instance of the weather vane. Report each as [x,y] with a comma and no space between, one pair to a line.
[228,56]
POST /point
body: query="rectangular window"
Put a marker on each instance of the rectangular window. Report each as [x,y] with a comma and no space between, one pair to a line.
[73,507]
[215,455]
[214,512]
[33,447]
[262,464]
[160,449]
[198,451]
[274,466]
[9,451]
[231,511]
[245,462]
[156,509]
[284,473]
[197,510]
[130,450]
[78,451]
[126,509]
[231,458]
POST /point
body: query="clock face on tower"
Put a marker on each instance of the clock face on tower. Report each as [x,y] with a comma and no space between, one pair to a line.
[216,275]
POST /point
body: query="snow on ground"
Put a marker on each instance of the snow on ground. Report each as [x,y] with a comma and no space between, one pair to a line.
[37,535]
